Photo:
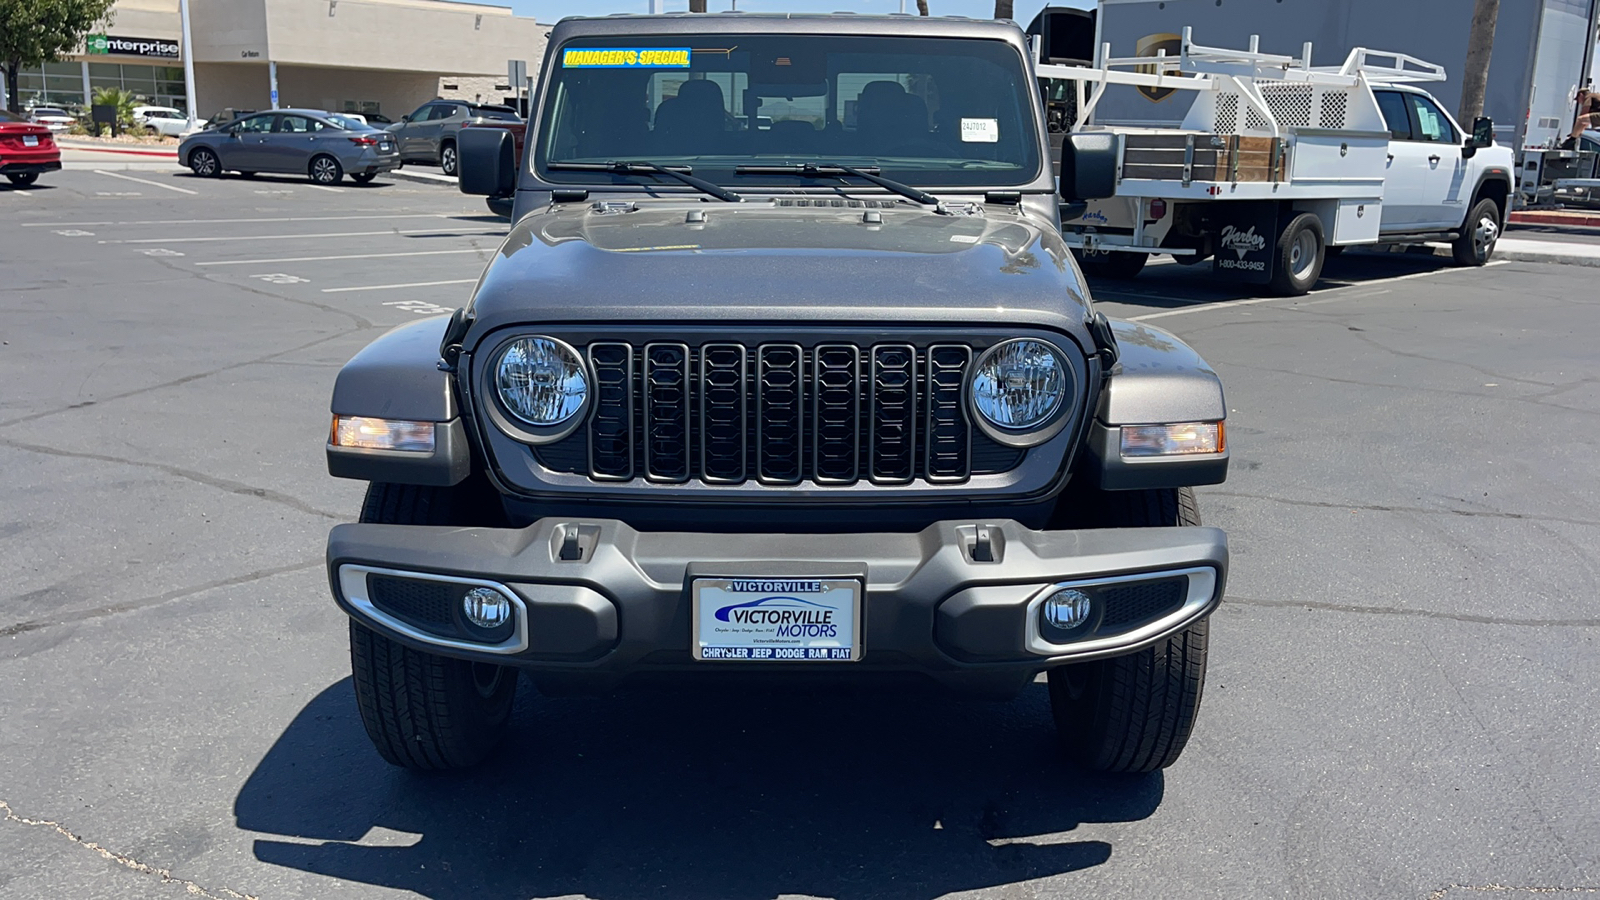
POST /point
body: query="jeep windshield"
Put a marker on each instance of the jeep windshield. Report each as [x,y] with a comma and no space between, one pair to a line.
[933,112]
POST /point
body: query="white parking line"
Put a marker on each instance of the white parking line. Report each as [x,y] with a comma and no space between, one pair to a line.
[143,181]
[390,287]
[245,262]
[1202,306]
[289,237]
[318,187]
[236,221]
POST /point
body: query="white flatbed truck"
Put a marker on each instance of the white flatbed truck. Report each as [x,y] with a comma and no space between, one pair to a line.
[1279,163]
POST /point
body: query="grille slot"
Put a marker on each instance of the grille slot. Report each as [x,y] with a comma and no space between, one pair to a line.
[727,413]
[1129,606]
[425,604]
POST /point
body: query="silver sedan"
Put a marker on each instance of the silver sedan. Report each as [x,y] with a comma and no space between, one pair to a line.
[322,146]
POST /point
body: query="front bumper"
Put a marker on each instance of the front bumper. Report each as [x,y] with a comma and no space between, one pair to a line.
[597,601]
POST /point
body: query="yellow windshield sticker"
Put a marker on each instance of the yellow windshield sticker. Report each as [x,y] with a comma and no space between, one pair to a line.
[627,58]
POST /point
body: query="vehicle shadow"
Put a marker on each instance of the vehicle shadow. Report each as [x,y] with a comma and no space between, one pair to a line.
[7,186]
[1171,286]
[655,794]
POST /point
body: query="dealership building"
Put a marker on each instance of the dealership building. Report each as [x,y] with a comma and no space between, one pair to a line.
[368,56]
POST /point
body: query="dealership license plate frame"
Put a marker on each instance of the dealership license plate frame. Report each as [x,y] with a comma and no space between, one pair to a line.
[857,592]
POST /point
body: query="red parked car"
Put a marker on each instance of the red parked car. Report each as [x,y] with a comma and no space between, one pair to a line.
[26,149]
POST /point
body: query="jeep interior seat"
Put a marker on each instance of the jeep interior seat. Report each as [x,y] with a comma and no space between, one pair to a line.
[683,122]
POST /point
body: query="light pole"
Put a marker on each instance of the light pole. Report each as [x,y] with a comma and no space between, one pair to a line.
[188,62]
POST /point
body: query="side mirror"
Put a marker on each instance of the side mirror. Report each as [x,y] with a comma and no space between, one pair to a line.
[1482,136]
[1088,166]
[487,161]
[405,118]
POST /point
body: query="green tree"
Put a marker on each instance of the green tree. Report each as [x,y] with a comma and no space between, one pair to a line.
[123,100]
[34,32]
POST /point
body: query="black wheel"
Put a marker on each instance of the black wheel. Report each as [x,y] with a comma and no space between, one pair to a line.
[1297,260]
[325,170]
[424,711]
[23,179]
[204,163]
[1112,263]
[1134,713]
[1478,235]
[363,177]
[447,158]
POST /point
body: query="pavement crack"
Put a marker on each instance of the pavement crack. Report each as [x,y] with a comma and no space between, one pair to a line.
[271,357]
[157,600]
[232,487]
[1419,510]
[1412,613]
[1441,893]
[166,876]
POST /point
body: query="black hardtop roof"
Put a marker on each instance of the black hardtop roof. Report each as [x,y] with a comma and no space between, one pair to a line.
[893,24]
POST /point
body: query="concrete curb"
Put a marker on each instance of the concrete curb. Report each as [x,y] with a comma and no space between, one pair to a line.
[1555,217]
[421,177]
[1501,253]
[158,154]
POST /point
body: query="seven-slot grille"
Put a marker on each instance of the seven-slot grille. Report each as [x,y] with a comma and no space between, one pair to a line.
[779,413]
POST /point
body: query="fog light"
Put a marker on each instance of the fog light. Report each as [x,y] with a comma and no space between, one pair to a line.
[1173,440]
[1067,609]
[381,434]
[486,608]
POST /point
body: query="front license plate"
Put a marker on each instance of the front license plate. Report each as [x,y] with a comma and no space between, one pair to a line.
[777,619]
[30,140]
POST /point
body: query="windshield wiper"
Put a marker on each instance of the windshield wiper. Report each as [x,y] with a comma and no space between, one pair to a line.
[682,173]
[834,170]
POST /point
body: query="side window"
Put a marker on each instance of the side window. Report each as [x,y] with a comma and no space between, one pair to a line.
[422,113]
[443,111]
[257,124]
[293,124]
[1432,123]
[1395,116]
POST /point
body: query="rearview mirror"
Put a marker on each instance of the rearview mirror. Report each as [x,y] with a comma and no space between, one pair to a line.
[1088,166]
[1482,136]
[487,161]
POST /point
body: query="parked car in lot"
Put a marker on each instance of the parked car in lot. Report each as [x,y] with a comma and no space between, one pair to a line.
[828,401]
[429,135]
[52,118]
[221,118]
[26,149]
[300,141]
[163,120]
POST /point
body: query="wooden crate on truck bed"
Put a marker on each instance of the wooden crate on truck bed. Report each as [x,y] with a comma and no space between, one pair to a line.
[1202,157]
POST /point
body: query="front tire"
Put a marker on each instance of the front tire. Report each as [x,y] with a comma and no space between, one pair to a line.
[1478,237]
[448,159]
[1113,264]
[23,179]
[1134,713]
[1297,261]
[325,170]
[424,711]
[204,163]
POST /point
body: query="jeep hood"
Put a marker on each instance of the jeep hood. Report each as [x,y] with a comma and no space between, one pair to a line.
[766,262]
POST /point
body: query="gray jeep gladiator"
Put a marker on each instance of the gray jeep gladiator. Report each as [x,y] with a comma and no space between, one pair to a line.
[783,373]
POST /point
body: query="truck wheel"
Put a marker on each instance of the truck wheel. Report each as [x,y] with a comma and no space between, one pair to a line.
[1113,264]
[1297,263]
[1134,713]
[424,711]
[1478,238]
[447,158]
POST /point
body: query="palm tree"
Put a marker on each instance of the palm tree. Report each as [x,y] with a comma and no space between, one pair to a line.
[1003,10]
[697,5]
[922,7]
[122,99]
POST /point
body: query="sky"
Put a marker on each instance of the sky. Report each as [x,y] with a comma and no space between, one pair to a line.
[555,10]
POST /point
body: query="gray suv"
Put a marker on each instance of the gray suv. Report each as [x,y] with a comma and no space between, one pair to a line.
[428,135]
[784,372]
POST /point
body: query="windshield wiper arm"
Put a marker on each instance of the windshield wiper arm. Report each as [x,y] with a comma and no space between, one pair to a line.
[833,170]
[682,173]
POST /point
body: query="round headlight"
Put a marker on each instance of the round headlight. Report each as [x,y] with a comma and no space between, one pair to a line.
[541,381]
[1019,385]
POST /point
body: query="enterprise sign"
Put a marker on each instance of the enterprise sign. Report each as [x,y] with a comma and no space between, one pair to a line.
[102,44]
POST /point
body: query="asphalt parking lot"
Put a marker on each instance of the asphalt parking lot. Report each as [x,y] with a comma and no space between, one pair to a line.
[1403,681]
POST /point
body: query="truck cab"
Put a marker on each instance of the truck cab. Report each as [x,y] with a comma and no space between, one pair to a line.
[1432,180]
